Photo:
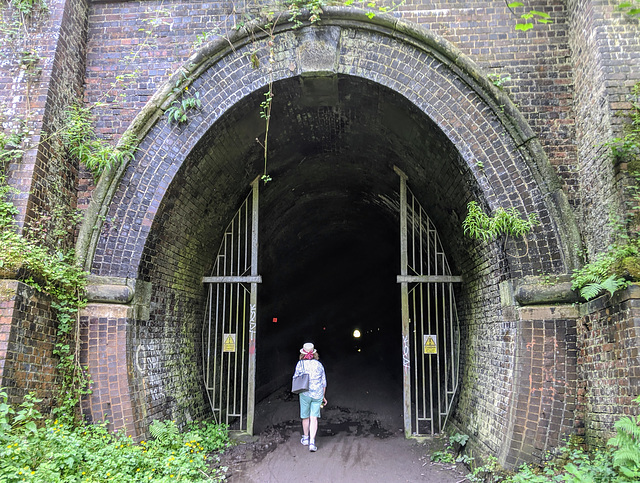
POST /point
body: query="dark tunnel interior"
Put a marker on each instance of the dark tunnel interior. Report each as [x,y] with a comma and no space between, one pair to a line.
[321,289]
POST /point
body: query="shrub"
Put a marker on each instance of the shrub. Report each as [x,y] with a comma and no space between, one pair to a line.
[33,450]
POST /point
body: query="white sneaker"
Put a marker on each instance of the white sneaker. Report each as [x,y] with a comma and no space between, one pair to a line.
[312,447]
[304,441]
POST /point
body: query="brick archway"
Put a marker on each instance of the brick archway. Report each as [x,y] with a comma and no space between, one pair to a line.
[146,301]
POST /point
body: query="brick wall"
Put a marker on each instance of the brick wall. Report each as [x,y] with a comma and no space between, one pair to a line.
[38,96]
[605,46]
[142,43]
[155,227]
[543,409]
[608,367]
[27,339]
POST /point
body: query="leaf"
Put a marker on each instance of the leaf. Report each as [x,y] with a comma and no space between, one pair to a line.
[524,26]
[255,62]
[31,426]
[515,4]
[591,291]
[613,284]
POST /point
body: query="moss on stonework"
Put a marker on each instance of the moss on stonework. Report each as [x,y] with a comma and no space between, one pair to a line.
[633,166]
[629,268]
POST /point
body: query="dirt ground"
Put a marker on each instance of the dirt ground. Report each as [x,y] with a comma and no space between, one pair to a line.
[360,439]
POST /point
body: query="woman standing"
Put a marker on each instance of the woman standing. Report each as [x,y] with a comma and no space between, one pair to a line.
[313,399]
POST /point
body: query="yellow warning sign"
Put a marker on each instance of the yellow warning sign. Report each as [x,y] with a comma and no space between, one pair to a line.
[430,344]
[229,344]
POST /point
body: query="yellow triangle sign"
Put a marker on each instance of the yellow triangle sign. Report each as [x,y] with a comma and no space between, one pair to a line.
[229,344]
[430,346]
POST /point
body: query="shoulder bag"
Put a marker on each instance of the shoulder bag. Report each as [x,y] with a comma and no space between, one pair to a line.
[300,383]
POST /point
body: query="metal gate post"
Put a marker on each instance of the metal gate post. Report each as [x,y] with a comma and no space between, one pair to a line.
[253,304]
[404,291]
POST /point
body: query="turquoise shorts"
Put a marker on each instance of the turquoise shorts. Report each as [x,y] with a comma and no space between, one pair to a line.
[309,407]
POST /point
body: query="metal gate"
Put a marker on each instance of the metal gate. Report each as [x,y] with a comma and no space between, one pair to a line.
[430,332]
[229,329]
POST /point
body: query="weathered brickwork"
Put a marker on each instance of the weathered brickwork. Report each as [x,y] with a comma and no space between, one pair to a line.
[537,62]
[103,337]
[44,89]
[605,48]
[27,339]
[168,250]
[546,382]
[608,341]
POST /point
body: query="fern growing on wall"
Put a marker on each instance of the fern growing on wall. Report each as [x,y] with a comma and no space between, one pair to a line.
[626,458]
[508,222]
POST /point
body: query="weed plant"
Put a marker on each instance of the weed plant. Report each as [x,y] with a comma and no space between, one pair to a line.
[618,462]
[35,449]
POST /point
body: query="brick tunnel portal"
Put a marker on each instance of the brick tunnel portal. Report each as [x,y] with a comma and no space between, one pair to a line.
[329,225]
[346,127]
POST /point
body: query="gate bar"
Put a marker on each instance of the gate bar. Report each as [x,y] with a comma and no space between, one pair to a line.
[404,289]
[253,303]
[429,278]
[232,279]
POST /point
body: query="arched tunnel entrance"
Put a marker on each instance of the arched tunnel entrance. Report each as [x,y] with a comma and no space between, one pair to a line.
[354,98]
[329,231]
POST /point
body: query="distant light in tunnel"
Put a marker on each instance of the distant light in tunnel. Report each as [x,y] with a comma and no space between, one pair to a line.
[356,333]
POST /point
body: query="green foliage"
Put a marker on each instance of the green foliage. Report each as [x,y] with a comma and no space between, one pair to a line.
[11,140]
[34,450]
[451,453]
[626,457]
[211,436]
[499,80]
[443,457]
[22,421]
[82,142]
[179,109]
[603,272]
[53,272]
[164,431]
[508,222]
[631,8]
[489,472]
[297,7]
[459,438]
[204,37]
[29,7]
[596,286]
[619,462]
[530,17]
[613,269]
[373,7]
